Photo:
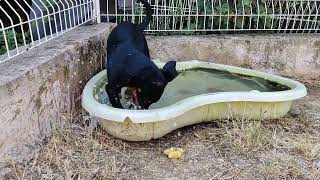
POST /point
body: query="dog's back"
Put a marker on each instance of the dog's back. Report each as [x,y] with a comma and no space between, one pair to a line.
[128,33]
[131,33]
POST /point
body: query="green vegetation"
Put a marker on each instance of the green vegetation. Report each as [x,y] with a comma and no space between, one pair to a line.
[209,16]
[11,40]
[229,14]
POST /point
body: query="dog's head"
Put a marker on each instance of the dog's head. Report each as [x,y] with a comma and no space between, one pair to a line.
[154,84]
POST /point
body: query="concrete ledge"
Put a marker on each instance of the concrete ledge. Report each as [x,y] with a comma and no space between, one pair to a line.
[42,87]
[290,55]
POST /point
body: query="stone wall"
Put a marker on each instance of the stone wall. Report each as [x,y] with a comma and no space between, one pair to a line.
[289,55]
[41,88]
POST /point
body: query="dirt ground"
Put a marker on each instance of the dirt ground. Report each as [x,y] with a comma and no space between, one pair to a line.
[286,148]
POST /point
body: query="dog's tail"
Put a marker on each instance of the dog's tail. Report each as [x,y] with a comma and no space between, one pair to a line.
[146,20]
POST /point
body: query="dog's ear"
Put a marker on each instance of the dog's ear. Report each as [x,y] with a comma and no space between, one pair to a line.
[169,70]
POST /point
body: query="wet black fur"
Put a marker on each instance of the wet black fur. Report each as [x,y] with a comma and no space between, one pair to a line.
[129,65]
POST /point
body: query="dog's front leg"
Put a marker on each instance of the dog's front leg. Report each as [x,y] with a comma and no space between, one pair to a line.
[113,94]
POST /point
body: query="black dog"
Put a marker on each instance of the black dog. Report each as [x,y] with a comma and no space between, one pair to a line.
[129,64]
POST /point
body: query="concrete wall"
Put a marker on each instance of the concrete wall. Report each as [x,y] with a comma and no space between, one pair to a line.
[289,55]
[41,89]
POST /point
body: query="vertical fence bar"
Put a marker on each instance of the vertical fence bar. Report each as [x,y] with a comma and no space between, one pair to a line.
[20,22]
[256,11]
[243,15]
[60,19]
[220,14]
[33,20]
[132,11]
[13,30]
[306,27]
[47,16]
[43,21]
[265,15]
[315,18]
[156,6]
[5,39]
[54,17]
[28,19]
[235,17]
[116,9]
[68,8]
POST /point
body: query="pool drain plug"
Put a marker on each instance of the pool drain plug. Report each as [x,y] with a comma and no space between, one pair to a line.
[174,153]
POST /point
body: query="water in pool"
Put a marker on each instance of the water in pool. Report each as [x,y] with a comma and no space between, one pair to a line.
[201,81]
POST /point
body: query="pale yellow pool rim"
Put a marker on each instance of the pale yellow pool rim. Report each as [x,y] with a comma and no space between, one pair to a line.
[142,125]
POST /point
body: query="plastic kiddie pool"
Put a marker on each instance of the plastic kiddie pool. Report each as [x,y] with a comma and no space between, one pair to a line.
[143,125]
